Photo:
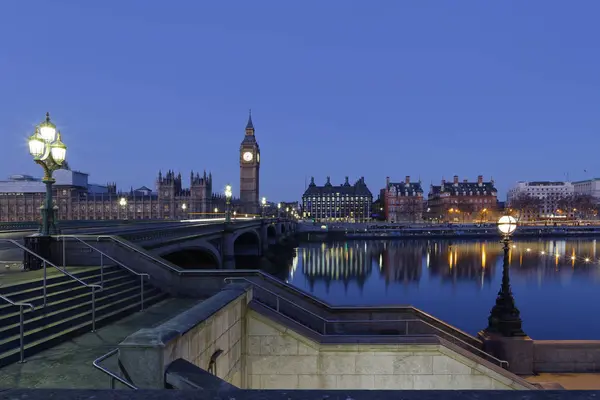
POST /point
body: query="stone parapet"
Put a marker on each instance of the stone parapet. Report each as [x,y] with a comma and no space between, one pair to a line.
[212,330]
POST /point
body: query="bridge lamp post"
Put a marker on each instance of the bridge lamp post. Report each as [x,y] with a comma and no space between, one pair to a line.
[228,195]
[123,204]
[505,317]
[264,205]
[49,152]
[278,210]
[287,210]
[184,207]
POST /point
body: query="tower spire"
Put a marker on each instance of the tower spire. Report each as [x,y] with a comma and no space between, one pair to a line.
[250,125]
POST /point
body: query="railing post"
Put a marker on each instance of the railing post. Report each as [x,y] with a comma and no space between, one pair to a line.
[142,291]
[21,334]
[93,308]
[112,382]
[277,303]
[44,264]
[101,269]
[406,328]
[324,327]
[64,256]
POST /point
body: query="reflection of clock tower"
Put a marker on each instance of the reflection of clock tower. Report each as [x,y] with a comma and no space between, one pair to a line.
[249,170]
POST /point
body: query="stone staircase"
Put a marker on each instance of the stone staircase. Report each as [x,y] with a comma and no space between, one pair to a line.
[68,311]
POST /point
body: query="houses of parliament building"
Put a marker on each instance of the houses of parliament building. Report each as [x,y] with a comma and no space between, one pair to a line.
[21,196]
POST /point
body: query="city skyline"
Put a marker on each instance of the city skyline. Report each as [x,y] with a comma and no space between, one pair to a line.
[429,92]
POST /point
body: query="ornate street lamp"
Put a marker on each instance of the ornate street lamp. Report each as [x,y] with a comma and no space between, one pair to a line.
[48,151]
[123,204]
[183,208]
[505,317]
[228,195]
[264,205]
[278,210]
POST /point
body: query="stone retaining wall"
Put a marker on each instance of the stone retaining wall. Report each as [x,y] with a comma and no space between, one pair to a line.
[195,336]
[279,358]
[566,356]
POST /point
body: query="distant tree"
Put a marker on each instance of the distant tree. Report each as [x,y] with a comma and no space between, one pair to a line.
[466,209]
[579,205]
[526,206]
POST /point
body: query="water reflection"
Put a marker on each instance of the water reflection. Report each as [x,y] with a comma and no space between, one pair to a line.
[457,281]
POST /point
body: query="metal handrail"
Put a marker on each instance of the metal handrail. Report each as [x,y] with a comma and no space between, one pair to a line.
[21,324]
[102,255]
[45,263]
[272,279]
[129,246]
[111,374]
[326,321]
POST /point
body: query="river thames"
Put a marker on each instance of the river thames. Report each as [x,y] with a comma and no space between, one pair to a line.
[556,283]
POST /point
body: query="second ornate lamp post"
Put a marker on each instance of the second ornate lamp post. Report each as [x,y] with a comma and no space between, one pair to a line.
[123,204]
[48,151]
[263,202]
[505,317]
[278,210]
[228,195]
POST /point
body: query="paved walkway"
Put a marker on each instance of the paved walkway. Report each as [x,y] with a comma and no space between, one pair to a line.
[574,381]
[69,365]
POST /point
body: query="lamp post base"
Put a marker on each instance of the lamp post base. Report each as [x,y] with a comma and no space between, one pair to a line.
[40,245]
[517,351]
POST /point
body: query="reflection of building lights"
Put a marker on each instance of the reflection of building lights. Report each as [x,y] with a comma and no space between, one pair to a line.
[572,257]
[528,249]
[587,260]
[543,252]
[514,246]
[483,257]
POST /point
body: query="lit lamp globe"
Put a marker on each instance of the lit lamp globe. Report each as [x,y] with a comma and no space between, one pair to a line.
[47,130]
[58,150]
[37,146]
[123,202]
[264,201]
[228,192]
[507,225]
[279,206]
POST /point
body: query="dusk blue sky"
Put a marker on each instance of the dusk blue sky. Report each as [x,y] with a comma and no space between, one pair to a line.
[509,89]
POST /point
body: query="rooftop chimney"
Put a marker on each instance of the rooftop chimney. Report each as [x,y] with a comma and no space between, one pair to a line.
[443,181]
[387,181]
[465,180]
[455,179]
[407,179]
[480,179]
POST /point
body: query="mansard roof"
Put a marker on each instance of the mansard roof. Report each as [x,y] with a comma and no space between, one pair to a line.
[483,188]
[358,189]
[402,187]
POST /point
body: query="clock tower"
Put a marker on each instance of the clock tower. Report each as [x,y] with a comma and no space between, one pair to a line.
[249,170]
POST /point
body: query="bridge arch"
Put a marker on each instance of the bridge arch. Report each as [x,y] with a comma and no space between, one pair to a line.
[247,249]
[192,256]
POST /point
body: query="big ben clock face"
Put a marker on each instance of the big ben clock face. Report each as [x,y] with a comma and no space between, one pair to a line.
[247,156]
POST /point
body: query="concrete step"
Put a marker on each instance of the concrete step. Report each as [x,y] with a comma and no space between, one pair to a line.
[104,316]
[61,290]
[9,325]
[33,279]
[68,311]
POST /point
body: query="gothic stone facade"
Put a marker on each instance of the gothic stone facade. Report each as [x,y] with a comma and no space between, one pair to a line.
[249,171]
[21,200]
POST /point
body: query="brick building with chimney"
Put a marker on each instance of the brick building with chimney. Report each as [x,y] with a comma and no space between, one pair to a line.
[462,201]
[402,201]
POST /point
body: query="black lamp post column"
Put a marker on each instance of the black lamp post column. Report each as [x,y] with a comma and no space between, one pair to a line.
[49,152]
[505,317]
[228,194]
